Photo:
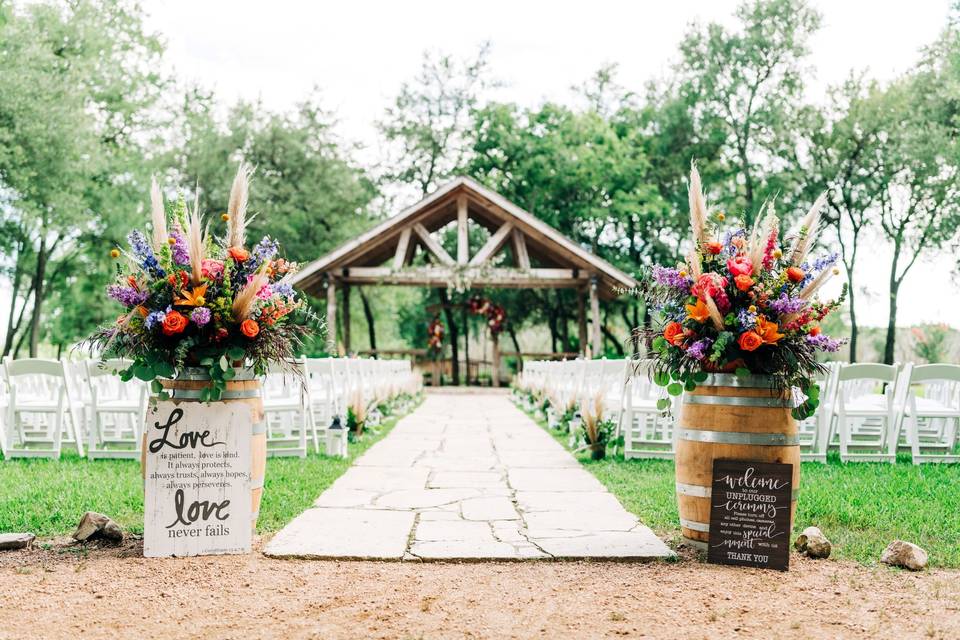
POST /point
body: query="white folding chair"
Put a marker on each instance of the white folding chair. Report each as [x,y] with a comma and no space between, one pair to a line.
[648,432]
[116,411]
[40,409]
[286,409]
[814,431]
[866,420]
[932,412]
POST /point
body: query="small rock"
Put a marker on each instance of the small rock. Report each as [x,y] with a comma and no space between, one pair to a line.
[813,543]
[96,525]
[900,553]
[10,541]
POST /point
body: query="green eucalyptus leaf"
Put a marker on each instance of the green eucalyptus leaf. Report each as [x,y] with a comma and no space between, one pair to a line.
[742,372]
[206,362]
[143,371]
[163,369]
[224,363]
[663,404]
[156,387]
[700,376]
[230,374]
[674,388]
[690,385]
[236,353]
[661,378]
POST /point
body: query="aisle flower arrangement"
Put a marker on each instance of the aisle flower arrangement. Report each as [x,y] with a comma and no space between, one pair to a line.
[196,298]
[435,333]
[743,302]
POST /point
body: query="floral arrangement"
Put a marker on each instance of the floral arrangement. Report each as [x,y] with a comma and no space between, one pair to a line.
[597,431]
[495,314]
[742,303]
[193,299]
[435,332]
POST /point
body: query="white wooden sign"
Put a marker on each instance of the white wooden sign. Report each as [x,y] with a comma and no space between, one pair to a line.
[197,480]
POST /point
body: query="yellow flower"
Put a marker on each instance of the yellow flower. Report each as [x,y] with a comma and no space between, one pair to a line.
[114,253]
[171,240]
[752,308]
[192,298]
[721,216]
[777,253]
[225,217]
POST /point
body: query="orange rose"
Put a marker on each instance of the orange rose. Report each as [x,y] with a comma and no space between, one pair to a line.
[795,274]
[750,341]
[743,282]
[699,311]
[238,253]
[714,247]
[768,330]
[174,323]
[249,328]
[673,333]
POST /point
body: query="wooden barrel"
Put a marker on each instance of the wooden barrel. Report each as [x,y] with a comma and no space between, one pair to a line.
[732,417]
[244,388]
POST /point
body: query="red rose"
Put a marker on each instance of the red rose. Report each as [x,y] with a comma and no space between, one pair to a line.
[795,274]
[174,323]
[750,341]
[743,282]
[673,333]
[740,265]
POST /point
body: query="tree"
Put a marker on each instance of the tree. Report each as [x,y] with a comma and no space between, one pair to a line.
[749,84]
[428,128]
[847,153]
[76,86]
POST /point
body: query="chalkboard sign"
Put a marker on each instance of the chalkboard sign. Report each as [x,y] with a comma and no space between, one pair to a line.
[750,514]
[197,479]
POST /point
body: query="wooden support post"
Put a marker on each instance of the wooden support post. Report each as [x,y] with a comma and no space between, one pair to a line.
[346,318]
[595,335]
[582,322]
[332,314]
[495,374]
[463,239]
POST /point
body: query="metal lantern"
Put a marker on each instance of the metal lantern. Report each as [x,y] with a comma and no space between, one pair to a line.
[336,439]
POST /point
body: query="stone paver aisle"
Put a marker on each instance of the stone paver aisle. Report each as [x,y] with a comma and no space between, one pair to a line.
[466,476]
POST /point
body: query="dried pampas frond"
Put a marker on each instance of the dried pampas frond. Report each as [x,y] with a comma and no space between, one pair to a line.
[693,260]
[715,316]
[816,283]
[196,242]
[591,414]
[157,216]
[698,207]
[243,303]
[807,232]
[237,206]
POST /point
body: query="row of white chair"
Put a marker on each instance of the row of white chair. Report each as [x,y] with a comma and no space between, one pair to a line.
[45,404]
[867,412]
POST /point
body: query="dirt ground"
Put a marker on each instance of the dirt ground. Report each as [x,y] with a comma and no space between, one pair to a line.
[76,592]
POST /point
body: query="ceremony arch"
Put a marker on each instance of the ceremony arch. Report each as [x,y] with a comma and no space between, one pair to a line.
[540,257]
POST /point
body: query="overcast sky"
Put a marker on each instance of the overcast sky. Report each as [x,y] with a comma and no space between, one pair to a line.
[359,52]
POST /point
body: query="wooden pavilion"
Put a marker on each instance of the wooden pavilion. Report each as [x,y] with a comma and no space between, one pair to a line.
[539,256]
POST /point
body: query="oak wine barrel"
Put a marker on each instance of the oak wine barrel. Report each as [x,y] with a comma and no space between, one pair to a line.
[244,388]
[729,417]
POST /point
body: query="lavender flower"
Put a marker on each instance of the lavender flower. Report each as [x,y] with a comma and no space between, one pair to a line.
[200,316]
[178,250]
[284,289]
[144,254]
[127,296]
[263,252]
[698,350]
[154,318]
[668,277]
[786,305]
[824,343]
[746,319]
[815,269]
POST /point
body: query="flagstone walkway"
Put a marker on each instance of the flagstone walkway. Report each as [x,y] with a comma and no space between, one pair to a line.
[466,476]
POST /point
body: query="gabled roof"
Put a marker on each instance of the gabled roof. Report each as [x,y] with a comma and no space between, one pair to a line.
[397,237]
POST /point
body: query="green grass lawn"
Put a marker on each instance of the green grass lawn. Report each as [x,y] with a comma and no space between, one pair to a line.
[861,507]
[47,497]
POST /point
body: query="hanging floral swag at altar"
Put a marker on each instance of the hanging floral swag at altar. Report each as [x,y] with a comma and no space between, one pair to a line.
[193,298]
[495,314]
[435,333]
[743,303]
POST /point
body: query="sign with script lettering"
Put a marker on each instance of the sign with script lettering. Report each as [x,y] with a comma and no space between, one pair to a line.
[197,479]
[750,514]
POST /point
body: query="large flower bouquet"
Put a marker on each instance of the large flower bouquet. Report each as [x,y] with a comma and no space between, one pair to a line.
[743,304]
[495,314]
[196,299]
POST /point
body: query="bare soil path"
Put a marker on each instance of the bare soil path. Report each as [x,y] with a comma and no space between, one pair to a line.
[115,593]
